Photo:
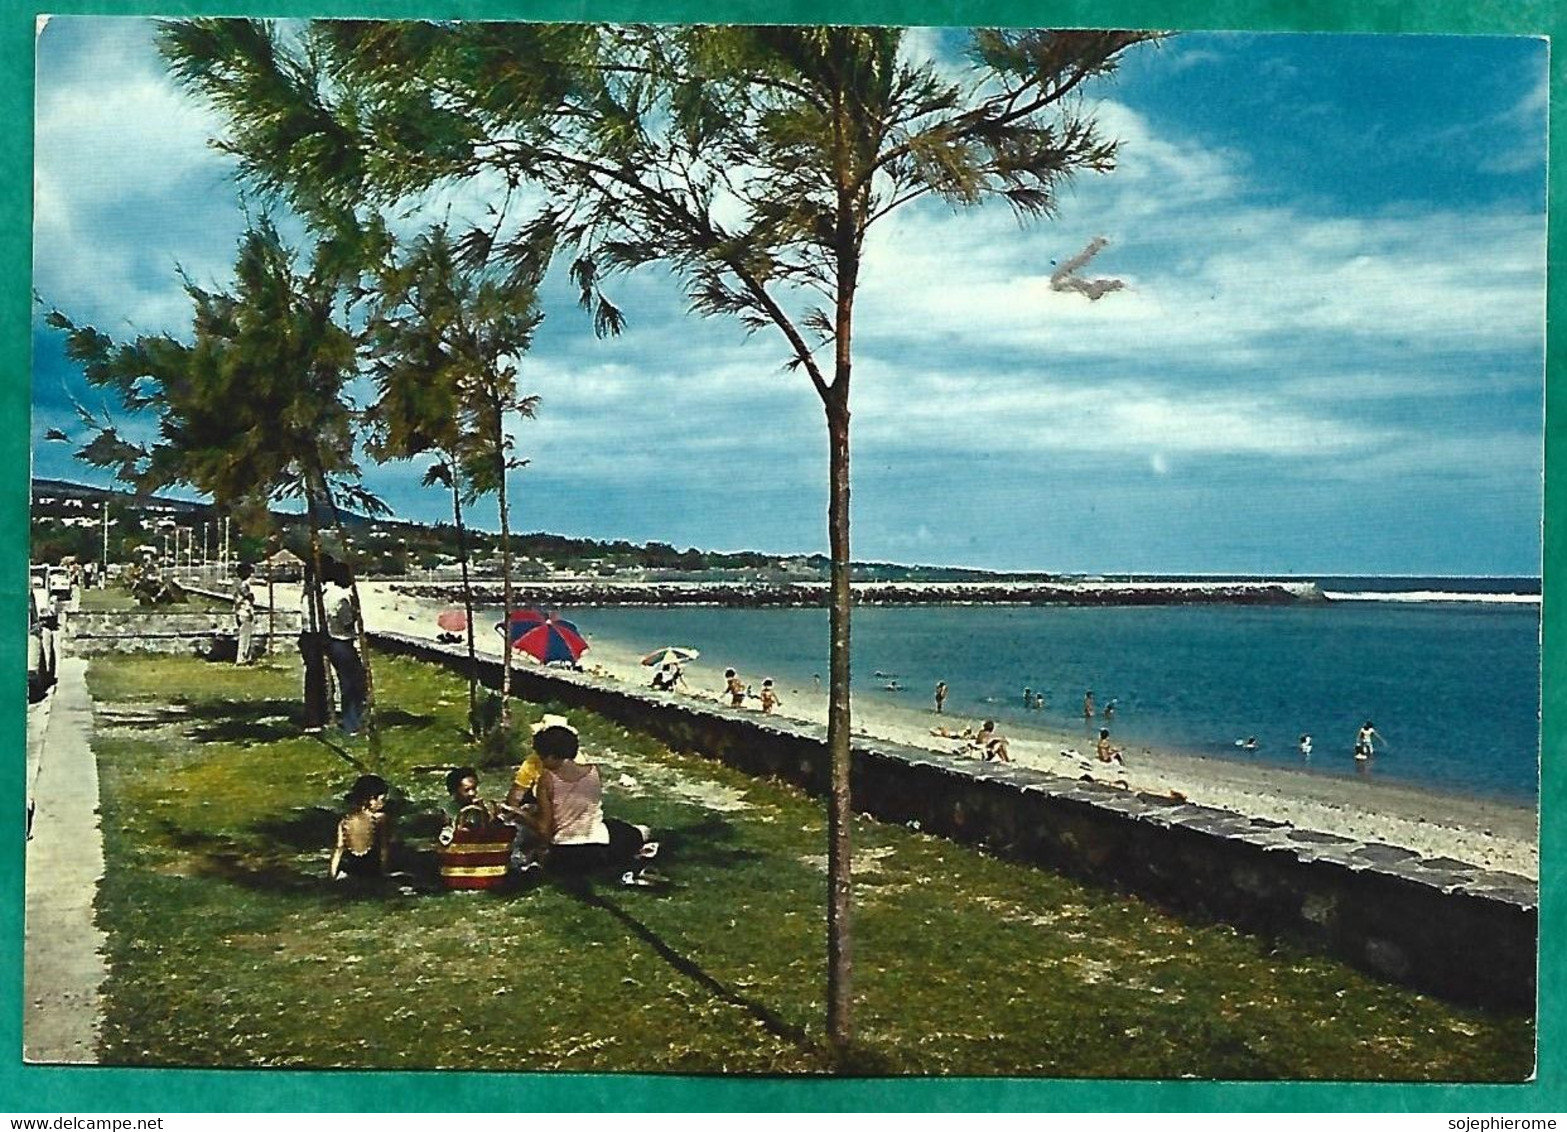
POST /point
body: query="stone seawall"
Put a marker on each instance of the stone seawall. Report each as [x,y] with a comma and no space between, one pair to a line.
[210,634]
[1441,926]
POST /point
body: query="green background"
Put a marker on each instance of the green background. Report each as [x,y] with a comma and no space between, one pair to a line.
[35,1089]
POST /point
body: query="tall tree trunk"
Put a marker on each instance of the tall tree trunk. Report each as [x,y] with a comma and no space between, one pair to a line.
[840,810]
[317,599]
[840,852]
[274,541]
[467,603]
[502,460]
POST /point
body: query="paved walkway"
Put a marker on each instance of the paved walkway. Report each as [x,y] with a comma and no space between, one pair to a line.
[64,966]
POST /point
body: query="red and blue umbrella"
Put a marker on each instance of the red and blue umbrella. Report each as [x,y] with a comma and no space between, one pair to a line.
[544,637]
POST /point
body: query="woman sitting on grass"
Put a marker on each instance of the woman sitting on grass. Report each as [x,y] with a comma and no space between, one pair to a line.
[364,836]
[581,840]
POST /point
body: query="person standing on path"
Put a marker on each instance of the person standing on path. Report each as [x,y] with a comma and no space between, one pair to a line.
[244,614]
[941,695]
[313,649]
[338,597]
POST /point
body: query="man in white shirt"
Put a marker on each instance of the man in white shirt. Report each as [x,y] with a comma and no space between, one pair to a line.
[338,598]
[244,614]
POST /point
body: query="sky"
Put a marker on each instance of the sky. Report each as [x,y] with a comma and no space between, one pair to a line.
[1327,358]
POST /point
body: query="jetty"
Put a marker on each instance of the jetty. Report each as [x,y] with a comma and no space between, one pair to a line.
[815,594]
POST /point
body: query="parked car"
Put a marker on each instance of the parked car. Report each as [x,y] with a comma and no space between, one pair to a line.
[41,625]
[60,583]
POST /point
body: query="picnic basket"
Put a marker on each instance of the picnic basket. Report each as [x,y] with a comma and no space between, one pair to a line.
[478,853]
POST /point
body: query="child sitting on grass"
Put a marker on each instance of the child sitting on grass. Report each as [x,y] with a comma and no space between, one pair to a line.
[521,807]
[464,807]
[364,836]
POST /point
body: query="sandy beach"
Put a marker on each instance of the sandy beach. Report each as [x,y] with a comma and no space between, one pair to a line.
[1494,835]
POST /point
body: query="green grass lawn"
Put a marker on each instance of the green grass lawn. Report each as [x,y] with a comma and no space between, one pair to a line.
[118,599]
[228,946]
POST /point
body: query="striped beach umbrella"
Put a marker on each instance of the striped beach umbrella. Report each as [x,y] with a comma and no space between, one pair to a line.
[671,654]
[550,641]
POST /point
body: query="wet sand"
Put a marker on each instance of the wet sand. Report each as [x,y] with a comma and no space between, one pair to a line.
[1495,835]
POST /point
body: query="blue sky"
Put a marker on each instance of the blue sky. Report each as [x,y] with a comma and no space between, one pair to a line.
[1328,357]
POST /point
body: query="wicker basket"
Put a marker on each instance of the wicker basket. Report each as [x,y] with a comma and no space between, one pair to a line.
[479,851]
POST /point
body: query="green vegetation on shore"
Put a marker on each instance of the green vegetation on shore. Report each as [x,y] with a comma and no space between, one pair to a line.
[227,945]
[391,546]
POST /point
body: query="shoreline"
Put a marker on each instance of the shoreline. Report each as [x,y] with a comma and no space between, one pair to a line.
[1492,834]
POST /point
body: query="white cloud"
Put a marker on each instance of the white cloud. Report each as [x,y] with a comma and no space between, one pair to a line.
[1254,324]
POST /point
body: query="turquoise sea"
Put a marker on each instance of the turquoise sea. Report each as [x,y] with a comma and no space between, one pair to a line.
[1447,669]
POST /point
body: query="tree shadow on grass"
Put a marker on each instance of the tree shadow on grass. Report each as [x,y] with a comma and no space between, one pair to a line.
[306,827]
[769,1020]
[270,863]
[228,859]
[710,842]
[244,721]
[397,717]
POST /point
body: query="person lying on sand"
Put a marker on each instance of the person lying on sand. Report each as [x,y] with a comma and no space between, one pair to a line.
[945,733]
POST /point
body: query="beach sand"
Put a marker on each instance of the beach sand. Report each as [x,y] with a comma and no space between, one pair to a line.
[1494,835]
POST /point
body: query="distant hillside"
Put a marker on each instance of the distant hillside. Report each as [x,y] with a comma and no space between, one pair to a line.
[67,519]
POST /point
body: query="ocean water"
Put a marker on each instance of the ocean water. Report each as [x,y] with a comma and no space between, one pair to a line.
[1447,669]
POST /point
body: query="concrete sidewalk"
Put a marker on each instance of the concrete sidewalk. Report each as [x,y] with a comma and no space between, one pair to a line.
[64,965]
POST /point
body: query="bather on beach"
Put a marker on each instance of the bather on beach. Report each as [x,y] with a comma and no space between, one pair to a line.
[1107,751]
[734,687]
[989,744]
